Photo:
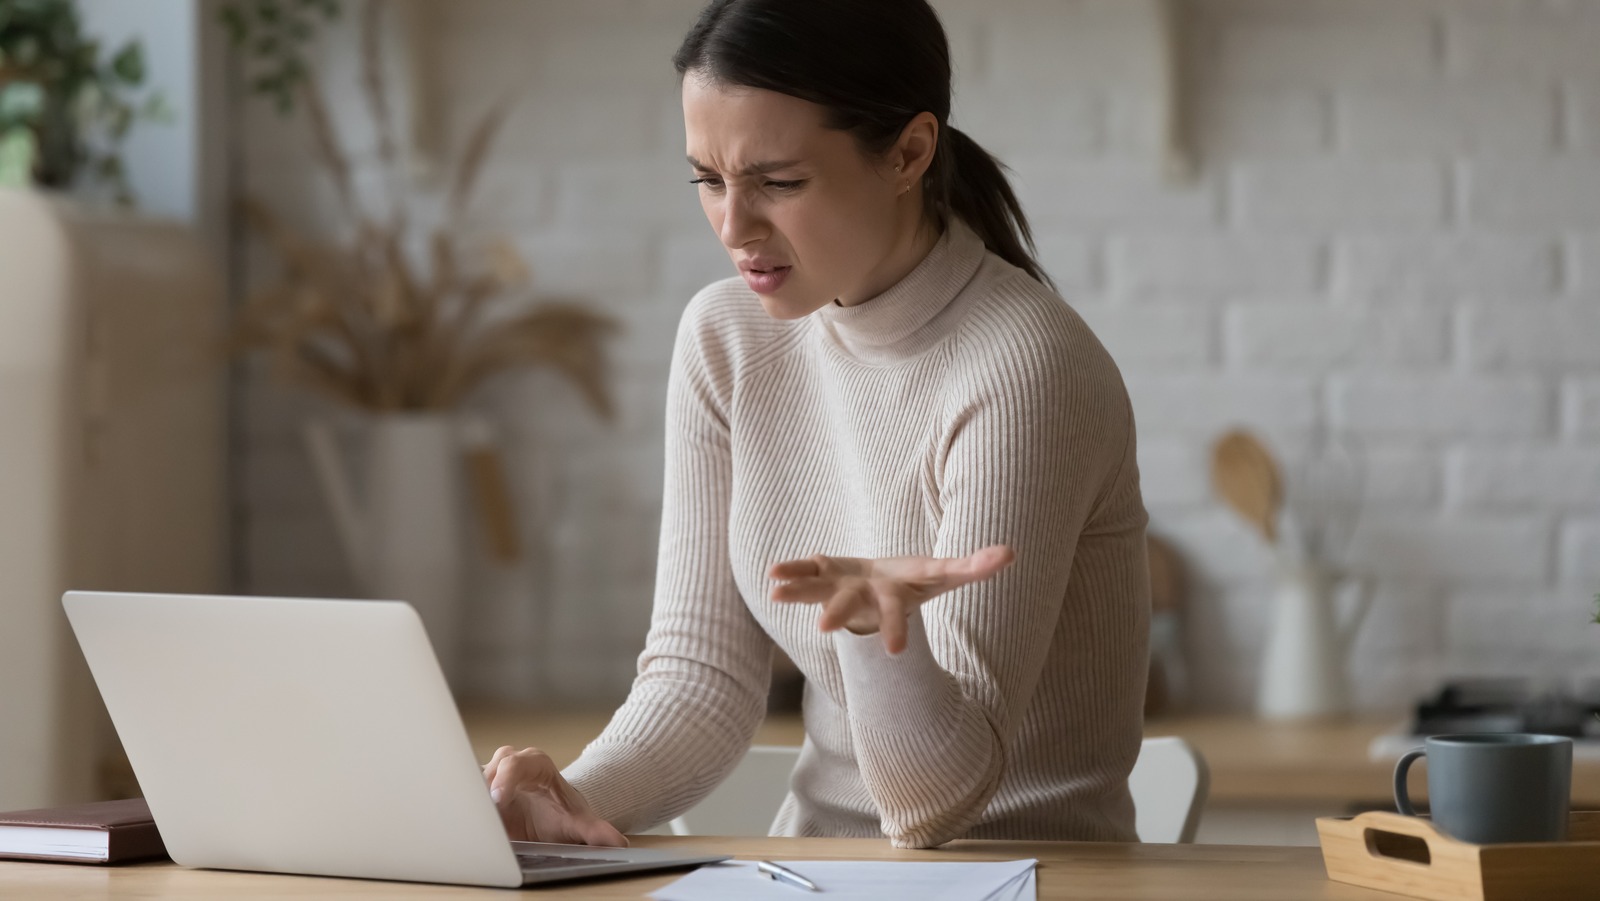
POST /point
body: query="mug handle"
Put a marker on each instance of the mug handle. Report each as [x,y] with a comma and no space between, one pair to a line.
[1402,798]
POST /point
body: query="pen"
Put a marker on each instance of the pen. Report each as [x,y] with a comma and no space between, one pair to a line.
[784,874]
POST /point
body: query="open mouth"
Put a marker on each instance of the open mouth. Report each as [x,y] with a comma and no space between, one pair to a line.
[766,280]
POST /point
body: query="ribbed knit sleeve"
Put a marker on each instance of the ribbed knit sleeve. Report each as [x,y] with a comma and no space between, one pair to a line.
[702,680]
[1029,446]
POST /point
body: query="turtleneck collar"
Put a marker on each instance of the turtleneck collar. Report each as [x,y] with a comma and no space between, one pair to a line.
[900,322]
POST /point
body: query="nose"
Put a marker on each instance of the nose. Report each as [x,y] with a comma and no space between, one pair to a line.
[742,222]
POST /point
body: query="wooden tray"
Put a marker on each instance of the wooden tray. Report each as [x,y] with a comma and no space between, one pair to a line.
[1409,856]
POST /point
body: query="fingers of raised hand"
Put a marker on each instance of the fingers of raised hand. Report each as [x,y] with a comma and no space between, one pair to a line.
[820,566]
[806,590]
[810,567]
[893,622]
[851,602]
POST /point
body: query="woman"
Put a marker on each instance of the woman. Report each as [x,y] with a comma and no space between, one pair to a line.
[884,411]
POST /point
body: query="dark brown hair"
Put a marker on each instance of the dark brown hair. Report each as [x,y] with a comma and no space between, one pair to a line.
[873,65]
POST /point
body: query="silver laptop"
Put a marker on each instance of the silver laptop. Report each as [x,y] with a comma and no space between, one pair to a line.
[314,737]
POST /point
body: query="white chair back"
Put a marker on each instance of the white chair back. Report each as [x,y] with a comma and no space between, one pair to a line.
[747,801]
[1169,784]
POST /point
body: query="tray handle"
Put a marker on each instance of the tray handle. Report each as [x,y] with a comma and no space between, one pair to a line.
[1416,842]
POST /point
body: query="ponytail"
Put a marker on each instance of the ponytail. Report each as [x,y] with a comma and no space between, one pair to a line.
[967,181]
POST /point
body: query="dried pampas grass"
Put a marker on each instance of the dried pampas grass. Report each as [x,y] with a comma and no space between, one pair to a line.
[354,319]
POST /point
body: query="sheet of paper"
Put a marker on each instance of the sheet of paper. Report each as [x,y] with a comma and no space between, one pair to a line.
[861,880]
[1025,887]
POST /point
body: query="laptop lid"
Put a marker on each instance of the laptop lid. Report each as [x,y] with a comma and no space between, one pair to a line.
[291,735]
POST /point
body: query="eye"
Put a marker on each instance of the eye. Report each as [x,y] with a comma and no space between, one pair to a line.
[785,185]
[711,182]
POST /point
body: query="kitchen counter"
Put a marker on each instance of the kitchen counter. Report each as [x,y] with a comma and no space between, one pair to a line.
[1251,760]
[1254,760]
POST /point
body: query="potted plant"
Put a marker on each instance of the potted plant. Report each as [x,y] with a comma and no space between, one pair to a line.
[65,105]
[359,320]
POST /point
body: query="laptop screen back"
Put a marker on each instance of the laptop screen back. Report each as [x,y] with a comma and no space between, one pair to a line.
[291,735]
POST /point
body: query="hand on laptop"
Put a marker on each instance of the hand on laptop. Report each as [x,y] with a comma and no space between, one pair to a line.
[867,596]
[538,804]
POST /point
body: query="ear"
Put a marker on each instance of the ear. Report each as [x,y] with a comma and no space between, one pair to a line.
[913,153]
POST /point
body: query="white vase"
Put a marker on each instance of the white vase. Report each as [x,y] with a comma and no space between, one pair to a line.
[1304,664]
[400,520]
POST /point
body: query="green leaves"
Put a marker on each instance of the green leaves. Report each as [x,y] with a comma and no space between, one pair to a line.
[18,150]
[128,64]
[21,101]
[64,107]
[272,35]
[234,23]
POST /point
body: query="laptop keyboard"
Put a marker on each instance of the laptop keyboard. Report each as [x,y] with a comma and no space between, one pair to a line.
[543,862]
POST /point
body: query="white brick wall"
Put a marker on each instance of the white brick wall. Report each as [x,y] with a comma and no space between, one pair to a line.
[1109,194]
[1155,336]
[1446,268]
[1584,266]
[1580,551]
[1582,415]
[1310,336]
[1258,45]
[1558,337]
[1440,406]
[1549,43]
[1534,479]
[1213,266]
[1244,122]
[1393,238]
[1451,118]
[1501,550]
[1530,194]
[1402,477]
[1341,193]
[1526,632]
[1581,107]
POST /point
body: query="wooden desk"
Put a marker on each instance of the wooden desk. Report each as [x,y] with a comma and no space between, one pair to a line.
[1069,870]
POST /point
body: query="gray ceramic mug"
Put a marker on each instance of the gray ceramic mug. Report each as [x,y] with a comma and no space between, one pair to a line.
[1508,787]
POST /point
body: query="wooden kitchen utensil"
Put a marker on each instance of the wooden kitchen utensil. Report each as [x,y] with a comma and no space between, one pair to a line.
[1247,478]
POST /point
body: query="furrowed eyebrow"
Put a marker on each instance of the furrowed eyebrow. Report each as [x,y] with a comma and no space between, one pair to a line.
[760,168]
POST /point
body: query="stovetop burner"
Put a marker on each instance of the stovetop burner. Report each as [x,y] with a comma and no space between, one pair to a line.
[1510,705]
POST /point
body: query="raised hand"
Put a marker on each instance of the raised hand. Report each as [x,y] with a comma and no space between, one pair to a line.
[867,595]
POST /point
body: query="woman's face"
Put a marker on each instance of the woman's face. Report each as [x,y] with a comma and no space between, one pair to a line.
[805,215]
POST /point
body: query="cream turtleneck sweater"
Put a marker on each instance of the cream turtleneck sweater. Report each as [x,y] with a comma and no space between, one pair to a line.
[966,406]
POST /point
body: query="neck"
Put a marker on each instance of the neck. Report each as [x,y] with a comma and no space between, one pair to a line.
[917,239]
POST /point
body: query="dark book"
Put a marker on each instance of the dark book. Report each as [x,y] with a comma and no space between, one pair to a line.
[102,832]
